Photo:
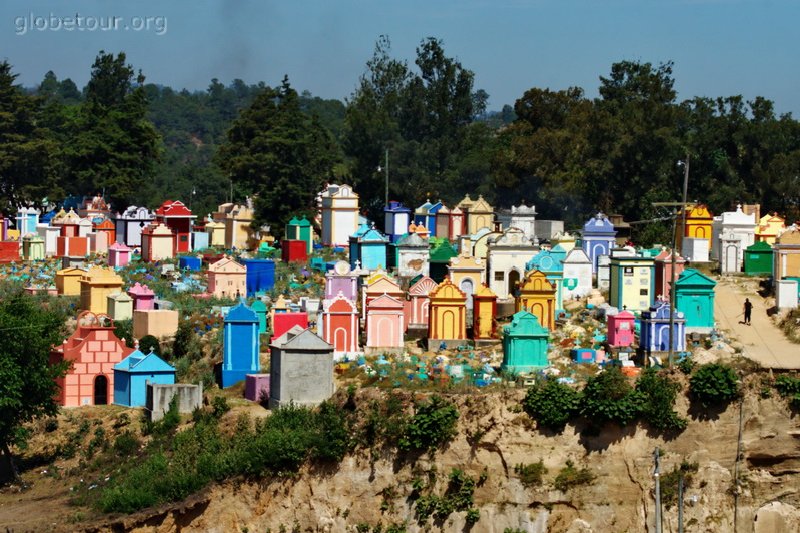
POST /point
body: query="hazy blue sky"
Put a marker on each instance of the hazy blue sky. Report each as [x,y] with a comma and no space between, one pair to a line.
[720,47]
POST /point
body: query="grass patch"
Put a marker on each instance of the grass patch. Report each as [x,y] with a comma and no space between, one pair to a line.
[570,476]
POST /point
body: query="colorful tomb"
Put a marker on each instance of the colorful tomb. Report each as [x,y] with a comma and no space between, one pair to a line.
[632,283]
[92,350]
[448,314]
[132,374]
[524,344]
[537,296]
[240,345]
[694,298]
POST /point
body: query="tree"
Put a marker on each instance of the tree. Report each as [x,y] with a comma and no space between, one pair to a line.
[551,404]
[424,119]
[548,155]
[714,384]
[609,397]
[27,380]
[660,392]
[28,152]
[279,154]
[116,147]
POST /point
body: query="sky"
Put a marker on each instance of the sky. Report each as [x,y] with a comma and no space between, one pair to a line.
[719,47]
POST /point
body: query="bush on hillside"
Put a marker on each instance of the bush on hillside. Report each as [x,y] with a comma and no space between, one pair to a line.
[173,467]
[531,475]
[551,404]
[569,477]
[660,393]
[609,397]
[433,424]
[714,384]
[789,387]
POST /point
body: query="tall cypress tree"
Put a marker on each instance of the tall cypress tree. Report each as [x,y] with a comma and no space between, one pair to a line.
[116,146]
[279,154]
[28,152]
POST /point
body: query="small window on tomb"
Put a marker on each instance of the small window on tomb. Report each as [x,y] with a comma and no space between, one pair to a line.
[628,271]
[499,276]
[642,292]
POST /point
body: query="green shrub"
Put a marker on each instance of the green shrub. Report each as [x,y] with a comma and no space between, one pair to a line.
[425,506]
[384,421]
[123,329]
[334,433]
[99,442]
[126,444]
[609,397]
[139,488]
[219,406]
[433,424]
[187,342]
[121,421]
[283,442]
[171,420]
[149,342]
[669,482]
[660,393]
[457,498]
[531,475]
[714,384]
[686,365]
[789,387]
[460,490]
[551,403]
[569,477]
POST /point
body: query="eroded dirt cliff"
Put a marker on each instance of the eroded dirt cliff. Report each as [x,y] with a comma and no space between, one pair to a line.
[372,488]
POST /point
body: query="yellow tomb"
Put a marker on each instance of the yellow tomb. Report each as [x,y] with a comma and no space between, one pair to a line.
[537,295]
[769,227]
[96,285]
[216,233]
[448,313]
[467,272]
[484,310]
[238,230]
[479,214]
[786,254]
[68,281]
[699,221]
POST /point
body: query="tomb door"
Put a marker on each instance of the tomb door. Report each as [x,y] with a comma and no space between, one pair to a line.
[101,390]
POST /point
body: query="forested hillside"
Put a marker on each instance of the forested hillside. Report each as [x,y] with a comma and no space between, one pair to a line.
[568,154]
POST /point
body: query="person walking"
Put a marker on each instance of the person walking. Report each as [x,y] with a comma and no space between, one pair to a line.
[748,310]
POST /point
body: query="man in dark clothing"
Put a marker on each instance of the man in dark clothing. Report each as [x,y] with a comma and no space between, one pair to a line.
[748,310]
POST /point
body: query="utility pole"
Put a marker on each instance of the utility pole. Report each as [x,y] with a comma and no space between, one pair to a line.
[387,178]
[680,502]
[682,206]
[657,476]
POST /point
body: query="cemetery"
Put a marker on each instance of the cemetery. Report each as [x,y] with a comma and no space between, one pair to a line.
[250,282]
[161,317]
[420,305]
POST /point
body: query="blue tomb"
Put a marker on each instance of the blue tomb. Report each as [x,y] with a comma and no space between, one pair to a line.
[240,345]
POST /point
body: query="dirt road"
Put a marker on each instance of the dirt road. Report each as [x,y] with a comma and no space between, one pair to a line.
[763,341]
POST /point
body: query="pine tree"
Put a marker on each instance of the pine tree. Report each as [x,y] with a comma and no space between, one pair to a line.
[279,154]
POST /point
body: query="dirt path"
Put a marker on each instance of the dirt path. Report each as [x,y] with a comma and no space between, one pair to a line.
[763,341]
